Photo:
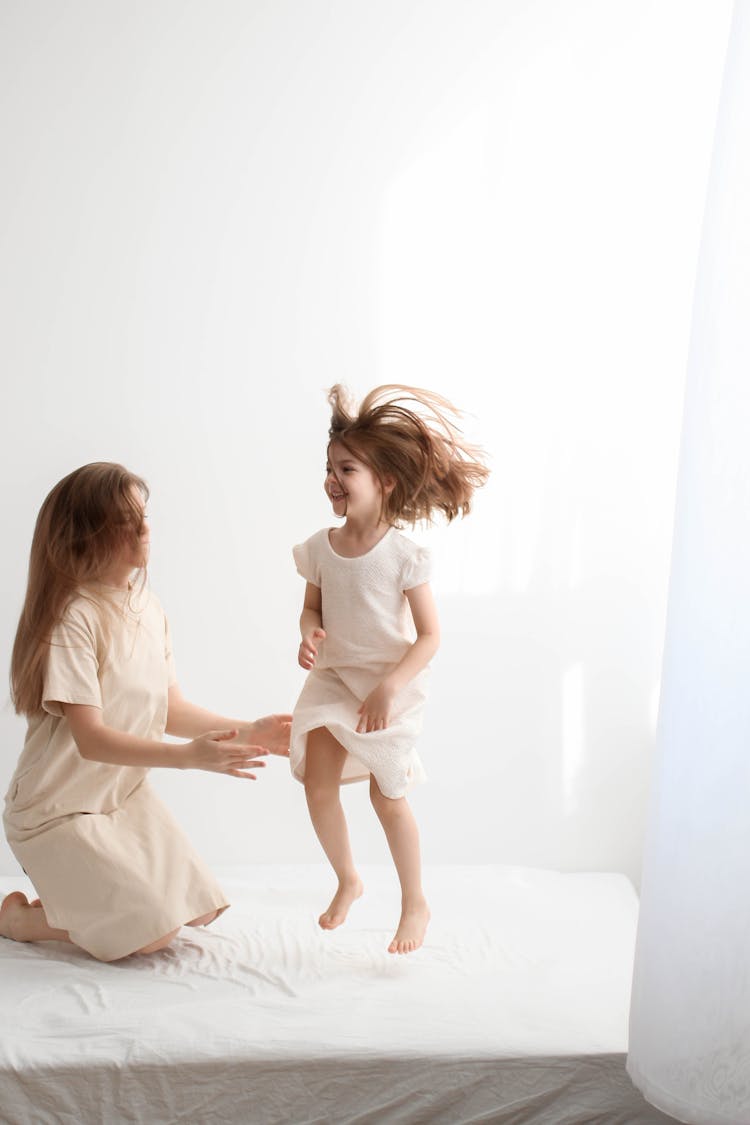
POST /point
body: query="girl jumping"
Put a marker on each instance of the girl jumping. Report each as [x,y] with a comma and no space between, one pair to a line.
[370,628]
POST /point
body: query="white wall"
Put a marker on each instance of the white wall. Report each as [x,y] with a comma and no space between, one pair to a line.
[210,212]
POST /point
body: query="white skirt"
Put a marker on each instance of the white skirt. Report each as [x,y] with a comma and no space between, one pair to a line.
[331,698]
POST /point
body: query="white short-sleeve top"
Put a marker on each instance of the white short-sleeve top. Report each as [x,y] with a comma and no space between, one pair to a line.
[364,609]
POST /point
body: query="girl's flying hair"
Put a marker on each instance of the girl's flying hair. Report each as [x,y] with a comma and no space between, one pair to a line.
[81,528]
[409,440]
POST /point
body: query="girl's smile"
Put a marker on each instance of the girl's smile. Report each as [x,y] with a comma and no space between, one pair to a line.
[351,485]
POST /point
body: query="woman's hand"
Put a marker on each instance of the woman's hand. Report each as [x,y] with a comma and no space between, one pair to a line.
[271,733]
[375,711]
[216,752]
[308,649]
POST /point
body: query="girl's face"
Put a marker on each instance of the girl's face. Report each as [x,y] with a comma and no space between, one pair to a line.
[351,485]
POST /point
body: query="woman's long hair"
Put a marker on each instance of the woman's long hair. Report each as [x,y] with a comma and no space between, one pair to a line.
[409,436]
[81,528]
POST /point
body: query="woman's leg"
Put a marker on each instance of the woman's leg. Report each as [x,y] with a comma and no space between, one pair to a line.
[324,763]
[21,920]
[160,943]
[205,919]
[402,835]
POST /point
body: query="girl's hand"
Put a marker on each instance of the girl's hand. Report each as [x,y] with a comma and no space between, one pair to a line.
[375,711]
[308,649]
[216,752]
[270,732]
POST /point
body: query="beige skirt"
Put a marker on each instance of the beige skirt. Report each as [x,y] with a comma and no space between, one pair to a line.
[120,880]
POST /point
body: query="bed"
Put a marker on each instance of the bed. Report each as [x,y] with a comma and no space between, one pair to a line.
[515,1010]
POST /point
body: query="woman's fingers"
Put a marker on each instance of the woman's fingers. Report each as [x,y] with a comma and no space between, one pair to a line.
[250,759]
[241,768]
[217,752]
[238,756]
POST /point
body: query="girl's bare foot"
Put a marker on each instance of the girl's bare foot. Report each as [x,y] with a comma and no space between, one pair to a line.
[11,910]
[349,891]
[411,928]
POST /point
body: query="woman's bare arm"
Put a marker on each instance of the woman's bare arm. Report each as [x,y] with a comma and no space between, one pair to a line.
[188,720]
[213,750]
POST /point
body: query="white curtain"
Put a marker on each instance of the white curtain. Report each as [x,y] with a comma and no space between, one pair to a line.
[690,1015]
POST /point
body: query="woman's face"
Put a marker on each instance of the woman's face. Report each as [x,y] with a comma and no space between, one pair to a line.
[135,554]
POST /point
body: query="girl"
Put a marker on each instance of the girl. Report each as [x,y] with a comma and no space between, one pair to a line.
[92,670]
[369,626]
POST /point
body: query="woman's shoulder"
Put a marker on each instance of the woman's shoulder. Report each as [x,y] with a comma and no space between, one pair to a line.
[89,606]
[81,609]
[144,599]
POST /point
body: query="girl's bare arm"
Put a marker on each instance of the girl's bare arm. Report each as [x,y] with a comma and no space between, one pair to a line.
[375,710]
[311,627]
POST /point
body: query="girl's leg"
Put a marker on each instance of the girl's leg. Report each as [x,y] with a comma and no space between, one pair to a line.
[324,762]
[21,920]
[403,839]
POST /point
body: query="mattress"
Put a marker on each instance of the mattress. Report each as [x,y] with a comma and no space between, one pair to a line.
[514,1011]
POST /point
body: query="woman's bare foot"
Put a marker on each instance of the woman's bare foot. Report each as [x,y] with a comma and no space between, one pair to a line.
[21,920]
[349,891]
[11,910]
[411,928]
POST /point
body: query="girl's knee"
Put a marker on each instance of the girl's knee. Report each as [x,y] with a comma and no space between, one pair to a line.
[385,806]
[321,791]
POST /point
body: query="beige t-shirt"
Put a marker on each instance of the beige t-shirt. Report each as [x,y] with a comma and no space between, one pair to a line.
[118,660]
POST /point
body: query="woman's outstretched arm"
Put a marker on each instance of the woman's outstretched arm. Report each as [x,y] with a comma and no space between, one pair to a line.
[214,750]
[187,720]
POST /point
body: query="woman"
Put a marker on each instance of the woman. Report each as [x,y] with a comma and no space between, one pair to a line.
[92,670]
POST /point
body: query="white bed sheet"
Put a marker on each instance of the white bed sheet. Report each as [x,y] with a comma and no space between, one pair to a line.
[515,1010]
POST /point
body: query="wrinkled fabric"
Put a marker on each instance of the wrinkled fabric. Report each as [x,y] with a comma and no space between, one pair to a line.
[515,1010]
